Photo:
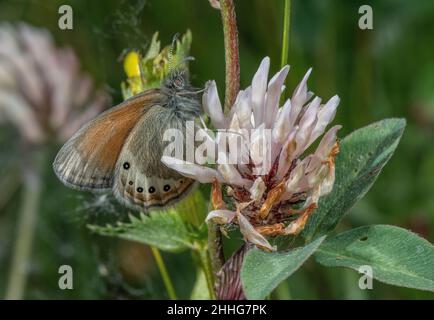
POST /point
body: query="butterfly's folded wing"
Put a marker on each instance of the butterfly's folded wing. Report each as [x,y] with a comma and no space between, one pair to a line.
[141,181]
[87,160]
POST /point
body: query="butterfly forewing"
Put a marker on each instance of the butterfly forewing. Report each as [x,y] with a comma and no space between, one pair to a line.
[87,161]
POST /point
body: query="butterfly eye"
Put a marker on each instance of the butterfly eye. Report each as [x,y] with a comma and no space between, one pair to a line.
[179,83]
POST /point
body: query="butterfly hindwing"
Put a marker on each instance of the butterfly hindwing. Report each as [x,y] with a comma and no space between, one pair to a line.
[144,193]
[87,160]
[141,181]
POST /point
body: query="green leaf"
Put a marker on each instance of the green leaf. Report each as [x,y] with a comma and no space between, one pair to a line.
[154,48]
[397,256]
[363,154]
[194,209]
[164,229]
[263,271]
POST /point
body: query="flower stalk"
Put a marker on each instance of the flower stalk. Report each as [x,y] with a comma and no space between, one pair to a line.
[164,274]
[27,220]
[215,247]
[230,33]
[208,271]
[285,33]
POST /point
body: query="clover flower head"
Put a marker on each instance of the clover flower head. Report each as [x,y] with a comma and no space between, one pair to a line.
[42,91]
[273,186]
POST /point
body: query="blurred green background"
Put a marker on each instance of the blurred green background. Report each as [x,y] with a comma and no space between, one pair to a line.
[379,73]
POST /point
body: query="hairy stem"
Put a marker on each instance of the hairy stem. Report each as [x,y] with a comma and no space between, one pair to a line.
[164,274]
[24,235]
[215,247]
[230,32]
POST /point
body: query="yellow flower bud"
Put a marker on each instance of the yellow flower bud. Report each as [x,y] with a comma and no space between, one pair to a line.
[131,64]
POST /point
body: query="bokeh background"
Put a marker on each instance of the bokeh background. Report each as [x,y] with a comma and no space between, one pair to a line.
[379,73]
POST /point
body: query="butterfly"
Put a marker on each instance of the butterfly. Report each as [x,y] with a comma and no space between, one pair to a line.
[121,148]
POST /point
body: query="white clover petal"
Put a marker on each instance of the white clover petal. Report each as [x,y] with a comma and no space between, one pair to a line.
[31,82]
[261,150]
[326,114]
[320,173]
[300,97]
[307,124]
[292,185]
[215,4]
[287,155]
[237,138]
[212,105]
[231,176]
[257,145]
[282,126]
[301,89]
[221,216]
[251,235]
[327,142]
[7,79]
[259,86]
[319,181]
[328,181]
[235,123]
[309,95]
[296,174]
[258,189]
[244,110]
[14,108]
[191,170]
[65,82]
[273,96]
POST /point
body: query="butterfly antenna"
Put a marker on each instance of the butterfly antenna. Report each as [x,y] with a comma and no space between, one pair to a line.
[192,92]
[185,60]
[172,48]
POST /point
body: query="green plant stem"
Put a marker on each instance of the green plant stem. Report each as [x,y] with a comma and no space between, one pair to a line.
[215,247]
[285,33]
[9,185]
[27,219]
[230,33]
[207,269]
[164,274]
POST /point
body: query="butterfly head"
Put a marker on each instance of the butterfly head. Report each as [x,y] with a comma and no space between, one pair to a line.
[182,96]
[177,81]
